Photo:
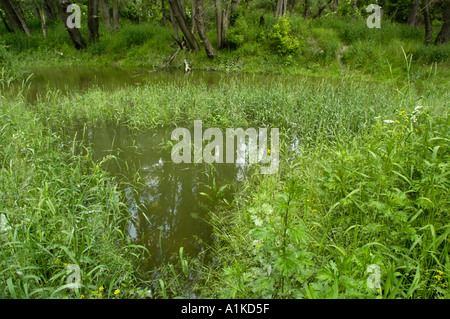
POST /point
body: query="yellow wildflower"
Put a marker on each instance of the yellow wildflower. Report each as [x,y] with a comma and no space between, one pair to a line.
[101,288]
[117,291]
[82,297]
[397,121]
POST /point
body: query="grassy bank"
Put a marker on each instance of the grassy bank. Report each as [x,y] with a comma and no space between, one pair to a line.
[328,46]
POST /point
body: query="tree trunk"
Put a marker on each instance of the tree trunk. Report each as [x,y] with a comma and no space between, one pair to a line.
[93,22]
[8,28]
[16,19]
[280,8]
[104,7]
[116,15]
[193,13]
[427,20]
[307,9]
[335,5]
[222,13]
[174,24]
[43,23]
[200,22]
[74,33]
[179,17]
[413,12]
[444,35]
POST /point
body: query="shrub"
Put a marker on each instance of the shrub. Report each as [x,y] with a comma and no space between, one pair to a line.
[281,39]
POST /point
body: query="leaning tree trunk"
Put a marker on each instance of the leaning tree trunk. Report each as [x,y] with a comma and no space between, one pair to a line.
[444,35]
[174,24]
[427,20]
[200,22]
[16,19]
[104,7]
[179,17]
[116,15]
[413,12]
[93,22]
[74,33]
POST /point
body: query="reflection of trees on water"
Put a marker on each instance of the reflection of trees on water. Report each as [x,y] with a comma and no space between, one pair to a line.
[169,195]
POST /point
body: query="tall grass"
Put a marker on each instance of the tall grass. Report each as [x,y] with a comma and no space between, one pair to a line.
[341,204]
[57,208]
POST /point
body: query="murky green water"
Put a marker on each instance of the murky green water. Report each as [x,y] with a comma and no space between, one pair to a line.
[168,202]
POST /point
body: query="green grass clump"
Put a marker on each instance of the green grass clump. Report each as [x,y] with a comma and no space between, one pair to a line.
[57,208]
[334,209]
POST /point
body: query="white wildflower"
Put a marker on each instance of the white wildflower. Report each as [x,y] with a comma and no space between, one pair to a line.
[389,121]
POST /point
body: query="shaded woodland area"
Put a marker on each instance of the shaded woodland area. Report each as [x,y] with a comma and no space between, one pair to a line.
[190,22]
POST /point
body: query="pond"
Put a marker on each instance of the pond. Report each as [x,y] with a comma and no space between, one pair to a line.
[168,203]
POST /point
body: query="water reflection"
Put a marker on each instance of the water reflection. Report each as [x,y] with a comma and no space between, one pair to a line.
[166,206]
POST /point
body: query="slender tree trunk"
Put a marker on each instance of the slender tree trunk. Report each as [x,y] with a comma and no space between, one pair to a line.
[15,17]
[74,33]
[174,24]
[104,7]
[193,13]
[8,28]
[116,15]
[427,20]
[43,23]
[222,14]
[200,22]
[280,8]
[219,24]
[444,34]
[179,17]
[413,12]
[93,22]
[307,9]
